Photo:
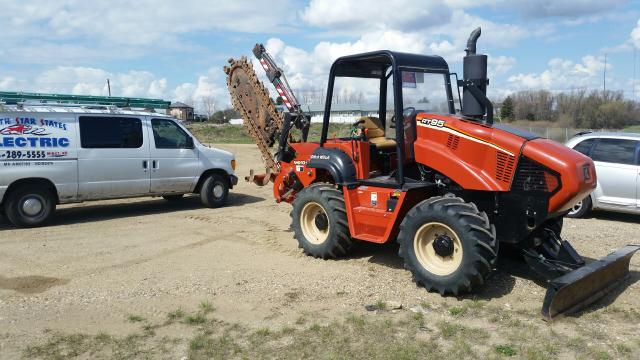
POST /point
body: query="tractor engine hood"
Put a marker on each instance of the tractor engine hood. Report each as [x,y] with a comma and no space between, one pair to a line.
[574,172]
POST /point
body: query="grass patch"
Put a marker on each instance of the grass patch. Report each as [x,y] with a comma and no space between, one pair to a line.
[380,305]
[213,347]
[195,319]
[175,315]
[506,350]
[206,307]
[385,335]
[457,310]
[135,318]
[450,330]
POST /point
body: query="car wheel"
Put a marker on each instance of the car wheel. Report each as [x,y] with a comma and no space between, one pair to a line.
[28,206]
[581,209]
[214,191]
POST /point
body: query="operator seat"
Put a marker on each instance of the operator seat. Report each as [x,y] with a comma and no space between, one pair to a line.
[375,133]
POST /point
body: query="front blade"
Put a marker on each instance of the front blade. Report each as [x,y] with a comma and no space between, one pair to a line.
[581,287]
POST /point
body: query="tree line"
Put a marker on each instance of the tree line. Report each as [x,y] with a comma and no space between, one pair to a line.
[578,108]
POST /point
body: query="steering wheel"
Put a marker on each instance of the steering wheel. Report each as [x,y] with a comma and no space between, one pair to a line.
[405,112]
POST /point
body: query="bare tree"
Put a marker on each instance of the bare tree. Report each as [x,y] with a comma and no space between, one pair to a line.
[209,105]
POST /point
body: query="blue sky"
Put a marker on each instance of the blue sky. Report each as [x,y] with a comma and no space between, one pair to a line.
[176,50]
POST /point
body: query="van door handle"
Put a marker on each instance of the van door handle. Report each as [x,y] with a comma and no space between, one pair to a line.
[145,165]
[154,164]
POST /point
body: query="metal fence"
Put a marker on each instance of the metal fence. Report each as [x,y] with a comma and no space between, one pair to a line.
[558,134]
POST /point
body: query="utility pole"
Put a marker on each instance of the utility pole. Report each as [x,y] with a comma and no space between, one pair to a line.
[604,74]
[109,87]
[634,74]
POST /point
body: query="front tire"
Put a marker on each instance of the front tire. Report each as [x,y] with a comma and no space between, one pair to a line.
[319,222]
[214,191]
[581,209]
[448,245]
[28,206]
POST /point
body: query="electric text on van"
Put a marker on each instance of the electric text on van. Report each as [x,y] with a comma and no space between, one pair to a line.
[61,154]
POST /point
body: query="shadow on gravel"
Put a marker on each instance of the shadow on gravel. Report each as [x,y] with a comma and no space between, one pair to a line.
[382,254]
[30,284]
[614,216]
[154,206]
[500,283]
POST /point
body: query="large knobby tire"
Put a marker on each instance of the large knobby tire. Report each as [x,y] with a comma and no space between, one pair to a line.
[29,206]
[319,222]
[214,191]
[581,209]
[448,245]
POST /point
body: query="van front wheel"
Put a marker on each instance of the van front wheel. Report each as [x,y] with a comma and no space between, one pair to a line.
[29,207]
[214,191]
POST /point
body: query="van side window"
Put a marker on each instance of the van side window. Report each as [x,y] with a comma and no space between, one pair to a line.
[98,132]
[615,151]
[584,146]
[168,135]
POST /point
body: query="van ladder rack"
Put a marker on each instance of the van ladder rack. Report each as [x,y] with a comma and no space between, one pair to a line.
[16,98]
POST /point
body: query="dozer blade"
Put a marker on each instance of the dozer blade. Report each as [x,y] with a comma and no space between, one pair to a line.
[581,287]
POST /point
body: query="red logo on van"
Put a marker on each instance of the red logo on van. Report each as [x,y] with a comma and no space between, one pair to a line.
[22,129]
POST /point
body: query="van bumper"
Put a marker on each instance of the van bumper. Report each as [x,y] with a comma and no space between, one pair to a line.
[3,190]
[233,180]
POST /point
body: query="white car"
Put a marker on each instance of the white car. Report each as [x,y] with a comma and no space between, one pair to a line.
[53,155]
[616,157]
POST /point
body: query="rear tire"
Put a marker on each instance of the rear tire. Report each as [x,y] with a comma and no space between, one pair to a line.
[214,191]
[319,222]
[581,209]
[448,245]
[28,206]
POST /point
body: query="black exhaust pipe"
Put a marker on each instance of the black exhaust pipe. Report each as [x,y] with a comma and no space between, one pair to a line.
[475,104]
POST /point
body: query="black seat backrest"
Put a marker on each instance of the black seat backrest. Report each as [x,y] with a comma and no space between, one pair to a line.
[410,134]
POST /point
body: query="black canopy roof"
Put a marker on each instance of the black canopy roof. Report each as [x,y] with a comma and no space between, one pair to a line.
[374,64]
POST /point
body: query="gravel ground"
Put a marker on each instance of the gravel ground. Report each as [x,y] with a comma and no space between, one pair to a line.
[100,262]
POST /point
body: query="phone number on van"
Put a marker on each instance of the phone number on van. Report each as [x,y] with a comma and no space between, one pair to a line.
[13,154]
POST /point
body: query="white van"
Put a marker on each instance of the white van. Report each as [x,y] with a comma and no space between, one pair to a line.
[55,154]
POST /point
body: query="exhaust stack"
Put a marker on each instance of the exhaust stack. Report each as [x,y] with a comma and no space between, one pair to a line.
[474,99]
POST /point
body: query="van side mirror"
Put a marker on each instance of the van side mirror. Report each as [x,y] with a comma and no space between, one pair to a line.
[190,144]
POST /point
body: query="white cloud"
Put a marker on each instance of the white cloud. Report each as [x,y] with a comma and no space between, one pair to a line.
[140,22]
[80,80]
[500,65]
[211,84]
[354,15]
[570,9]
[562,75]
[7,84]
[635,35]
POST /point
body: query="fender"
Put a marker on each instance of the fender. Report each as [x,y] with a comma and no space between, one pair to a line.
[336,163]
[475,156]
